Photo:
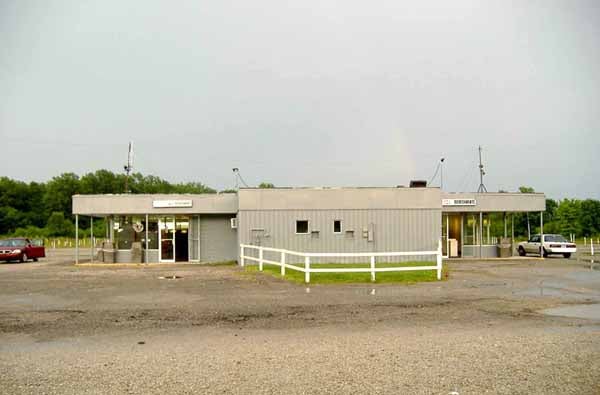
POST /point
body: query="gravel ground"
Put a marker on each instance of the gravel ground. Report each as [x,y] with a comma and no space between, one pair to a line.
[97,330]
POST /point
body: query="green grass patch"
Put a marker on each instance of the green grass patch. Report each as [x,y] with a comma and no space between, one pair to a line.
[345,278]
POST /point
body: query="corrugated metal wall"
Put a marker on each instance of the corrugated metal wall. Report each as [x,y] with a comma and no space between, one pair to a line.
[218,241]
[394,230]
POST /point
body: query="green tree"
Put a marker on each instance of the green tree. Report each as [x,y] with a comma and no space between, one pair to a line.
[526,189]
[191,187]
[11,219]
[58,225]
[100,182]
[266,185]
[568,214]
[36,211]
[590,217]
[139,183]
[59,192]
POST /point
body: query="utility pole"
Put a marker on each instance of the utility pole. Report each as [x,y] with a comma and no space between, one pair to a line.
[482,187]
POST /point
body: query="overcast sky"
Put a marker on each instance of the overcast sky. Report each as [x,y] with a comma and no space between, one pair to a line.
[305,93]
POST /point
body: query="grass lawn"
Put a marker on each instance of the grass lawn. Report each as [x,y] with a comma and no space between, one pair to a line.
[335,278]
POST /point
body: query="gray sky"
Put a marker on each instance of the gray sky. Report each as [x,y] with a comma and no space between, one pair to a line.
[305,93]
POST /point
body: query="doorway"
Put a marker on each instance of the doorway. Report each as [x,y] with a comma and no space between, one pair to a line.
[451,235]
[182,226]
[173,239]
[166,239]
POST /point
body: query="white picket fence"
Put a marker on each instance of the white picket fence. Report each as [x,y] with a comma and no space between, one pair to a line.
[589,250]
[307,269]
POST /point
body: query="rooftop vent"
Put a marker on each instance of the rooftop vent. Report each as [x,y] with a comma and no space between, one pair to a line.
[418,184]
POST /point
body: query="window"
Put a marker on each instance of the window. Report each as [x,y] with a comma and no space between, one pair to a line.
[555,239]
[152,234]
[337,226]
[302,227]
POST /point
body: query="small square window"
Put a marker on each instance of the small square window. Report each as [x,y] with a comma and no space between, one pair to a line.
[302,227]
[337,226]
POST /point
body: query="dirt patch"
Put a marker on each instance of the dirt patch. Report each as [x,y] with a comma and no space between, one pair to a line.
[219,330]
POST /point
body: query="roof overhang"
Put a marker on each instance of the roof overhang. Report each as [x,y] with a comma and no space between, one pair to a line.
[493,202]
[101,205]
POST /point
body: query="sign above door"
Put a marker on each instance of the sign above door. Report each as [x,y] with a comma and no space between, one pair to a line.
[171,203]
[459,202]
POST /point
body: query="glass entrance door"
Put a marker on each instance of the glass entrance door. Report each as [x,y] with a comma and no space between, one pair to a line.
[166,242]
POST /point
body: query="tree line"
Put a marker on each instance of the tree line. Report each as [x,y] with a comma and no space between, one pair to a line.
[43,209]
[567,216]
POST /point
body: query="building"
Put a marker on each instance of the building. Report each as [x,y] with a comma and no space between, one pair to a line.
[211,227]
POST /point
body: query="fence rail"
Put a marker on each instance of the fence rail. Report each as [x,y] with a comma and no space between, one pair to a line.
[307,269]
[588,251]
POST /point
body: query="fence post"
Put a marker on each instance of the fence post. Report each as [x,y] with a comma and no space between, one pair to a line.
[307,269]
[592,246]
[283,263]
[439,261]
[260,259]
[242,255]
[584,240]
[373,269]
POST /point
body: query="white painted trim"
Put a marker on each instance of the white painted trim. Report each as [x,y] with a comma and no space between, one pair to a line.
[341,227]
[296,227]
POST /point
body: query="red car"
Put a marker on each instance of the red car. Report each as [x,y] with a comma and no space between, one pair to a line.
[20,249]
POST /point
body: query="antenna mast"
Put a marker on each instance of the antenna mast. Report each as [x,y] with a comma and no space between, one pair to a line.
[129,166]
[237,178]
[482,187]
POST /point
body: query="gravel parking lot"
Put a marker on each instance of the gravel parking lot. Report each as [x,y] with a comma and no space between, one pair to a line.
[92,330]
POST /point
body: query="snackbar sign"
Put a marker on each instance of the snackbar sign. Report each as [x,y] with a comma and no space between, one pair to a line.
[171,203]
[459,202]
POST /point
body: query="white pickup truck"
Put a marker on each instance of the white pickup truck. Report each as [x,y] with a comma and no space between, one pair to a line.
[551,244]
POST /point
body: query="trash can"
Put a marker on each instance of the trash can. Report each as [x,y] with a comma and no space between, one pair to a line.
[136,252]
[504,248]
[453,243]
[108,252]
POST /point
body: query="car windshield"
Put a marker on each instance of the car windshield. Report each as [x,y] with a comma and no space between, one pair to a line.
[555,238]
[12,243]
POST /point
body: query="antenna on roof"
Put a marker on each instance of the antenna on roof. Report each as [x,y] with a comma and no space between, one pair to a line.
[440,169]
[238,177]
[482,187]
[129,166]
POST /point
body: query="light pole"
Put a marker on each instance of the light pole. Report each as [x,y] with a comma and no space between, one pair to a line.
[235,177]
[442,173]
